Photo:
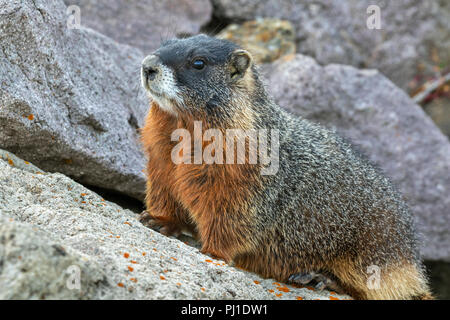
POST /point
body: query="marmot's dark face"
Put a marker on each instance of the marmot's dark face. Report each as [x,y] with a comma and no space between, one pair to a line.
[196,75]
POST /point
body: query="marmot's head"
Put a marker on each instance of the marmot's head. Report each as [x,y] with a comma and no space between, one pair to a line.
[199,76]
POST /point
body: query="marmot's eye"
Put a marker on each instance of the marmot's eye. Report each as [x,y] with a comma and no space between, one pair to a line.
[198,64]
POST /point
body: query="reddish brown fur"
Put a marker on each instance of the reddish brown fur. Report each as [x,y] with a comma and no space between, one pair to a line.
[208,198]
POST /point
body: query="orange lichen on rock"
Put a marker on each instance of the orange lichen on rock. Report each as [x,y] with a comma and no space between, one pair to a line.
[256,282]
[333,298]
[133,279]
[130,269]
[284,289]
[126,255]
[299,298]
[278,294]
[162,277]
[207,260]
[133,261]
[120,284]
[30,117]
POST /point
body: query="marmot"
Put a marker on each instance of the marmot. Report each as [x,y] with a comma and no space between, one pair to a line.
[327,215]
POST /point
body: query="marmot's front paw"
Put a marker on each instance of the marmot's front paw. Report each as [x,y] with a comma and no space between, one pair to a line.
[164,227]
[321,281]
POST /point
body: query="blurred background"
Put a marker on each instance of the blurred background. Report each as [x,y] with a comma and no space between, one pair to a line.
[72,102]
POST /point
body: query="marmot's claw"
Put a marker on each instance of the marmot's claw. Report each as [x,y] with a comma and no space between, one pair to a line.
[147,220]
[321,281]
[170,230]
[164,227]
[144,216]
[301,278]
[320,286]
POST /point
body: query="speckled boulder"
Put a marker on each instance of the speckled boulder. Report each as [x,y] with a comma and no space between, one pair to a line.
[70,99]
[53,230]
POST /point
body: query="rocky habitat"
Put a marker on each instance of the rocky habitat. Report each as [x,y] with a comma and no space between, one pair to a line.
[72,176]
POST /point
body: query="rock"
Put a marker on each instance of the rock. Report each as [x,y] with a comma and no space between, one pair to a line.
[439,110]
[52,228]
[386,124]
[414,37]
[144,24]
[36,266]
[18,163]
[70,99]
[266,39]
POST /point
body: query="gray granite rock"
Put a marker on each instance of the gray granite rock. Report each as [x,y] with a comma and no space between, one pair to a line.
[52,229]
[145,23]
[386,124]
[414,37]
[70,99]
[34,265]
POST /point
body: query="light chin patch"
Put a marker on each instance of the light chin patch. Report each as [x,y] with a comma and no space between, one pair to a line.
[164,104]
[166,92]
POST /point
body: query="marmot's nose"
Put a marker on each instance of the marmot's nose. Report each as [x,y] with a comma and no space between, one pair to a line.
[150,67]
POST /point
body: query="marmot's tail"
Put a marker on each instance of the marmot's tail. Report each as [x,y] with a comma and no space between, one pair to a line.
[401,282]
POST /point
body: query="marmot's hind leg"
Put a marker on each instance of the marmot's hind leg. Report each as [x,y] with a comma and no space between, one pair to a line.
[320,280]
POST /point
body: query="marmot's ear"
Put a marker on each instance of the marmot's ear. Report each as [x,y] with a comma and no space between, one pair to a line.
[240,61]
